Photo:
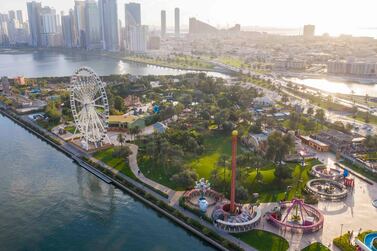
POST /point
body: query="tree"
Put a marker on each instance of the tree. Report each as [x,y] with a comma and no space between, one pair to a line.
[241,193]
[278,146]
[122,152]
[185,179]
[121,139]
[294,121]
[52,112]
[320,115]
[134,131]
[119,104]
[256,127]
[282,172]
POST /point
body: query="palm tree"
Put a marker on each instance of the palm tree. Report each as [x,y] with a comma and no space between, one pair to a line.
[223,162]
[121,139]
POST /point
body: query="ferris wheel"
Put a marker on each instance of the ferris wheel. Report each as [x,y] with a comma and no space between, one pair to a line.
[90,107]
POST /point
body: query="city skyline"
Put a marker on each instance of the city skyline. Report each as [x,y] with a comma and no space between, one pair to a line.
[290,14]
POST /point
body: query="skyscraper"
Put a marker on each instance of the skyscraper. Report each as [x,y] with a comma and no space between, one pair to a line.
[177,22]
[163,23]
[109,23]
[93,27]
[133,14]
[67,31]
[12,14]
[33,10]
[136,35]
[80,22]
[49,28]
[19,16]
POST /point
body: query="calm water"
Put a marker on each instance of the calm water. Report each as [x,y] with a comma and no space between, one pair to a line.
[49,63]
[338,87]
[49,203]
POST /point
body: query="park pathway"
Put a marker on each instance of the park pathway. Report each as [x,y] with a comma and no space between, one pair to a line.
[132,159]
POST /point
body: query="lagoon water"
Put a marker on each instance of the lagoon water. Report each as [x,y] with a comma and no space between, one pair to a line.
[54,63]
[49,203]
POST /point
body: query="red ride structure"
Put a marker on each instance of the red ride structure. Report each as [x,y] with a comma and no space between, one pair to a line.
[234,167]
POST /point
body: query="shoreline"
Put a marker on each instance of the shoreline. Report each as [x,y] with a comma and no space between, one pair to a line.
[117,183]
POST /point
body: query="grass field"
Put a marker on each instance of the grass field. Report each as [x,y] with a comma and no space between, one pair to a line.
[271,190]
[263,240]
[360,116]
[232,61]
[156,173]
[216,144]
[70,129]
[316,247]
[183,62]
[344,244]
[119,164]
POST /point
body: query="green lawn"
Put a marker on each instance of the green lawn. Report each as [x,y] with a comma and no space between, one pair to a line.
[156,173]
[344,244]
[271,190]
[216,144]
[184,62]
[70,129]
[232,61]
[119,164]
[263,240]
[360,116]
[317,246]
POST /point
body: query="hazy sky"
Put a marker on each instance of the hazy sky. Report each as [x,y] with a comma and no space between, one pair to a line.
[333,16]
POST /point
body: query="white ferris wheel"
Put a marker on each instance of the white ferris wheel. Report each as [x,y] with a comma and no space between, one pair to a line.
[90,107]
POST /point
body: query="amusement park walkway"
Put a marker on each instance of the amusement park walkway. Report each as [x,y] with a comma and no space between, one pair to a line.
[132,159]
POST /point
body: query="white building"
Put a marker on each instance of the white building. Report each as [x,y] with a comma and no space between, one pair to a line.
[50,35]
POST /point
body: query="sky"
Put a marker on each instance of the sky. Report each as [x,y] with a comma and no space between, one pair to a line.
[332,16]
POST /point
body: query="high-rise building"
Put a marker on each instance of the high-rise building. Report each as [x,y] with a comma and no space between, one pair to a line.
[137,38]
[163,23]
[20,16]
[177,22]
[50,36]
[136,35]
[33,10]
[67,31]
[133,14]
[12,14]
[199,27]
[309,31]
[93,27]
[109,23]
[4,35]
[80,19]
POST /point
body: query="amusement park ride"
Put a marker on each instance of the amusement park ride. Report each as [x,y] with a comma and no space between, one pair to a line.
[90,107]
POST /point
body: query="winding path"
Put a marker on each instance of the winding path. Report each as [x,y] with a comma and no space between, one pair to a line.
[132,159]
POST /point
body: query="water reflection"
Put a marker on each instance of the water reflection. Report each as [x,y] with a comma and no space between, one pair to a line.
[338,87]
[49,203]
